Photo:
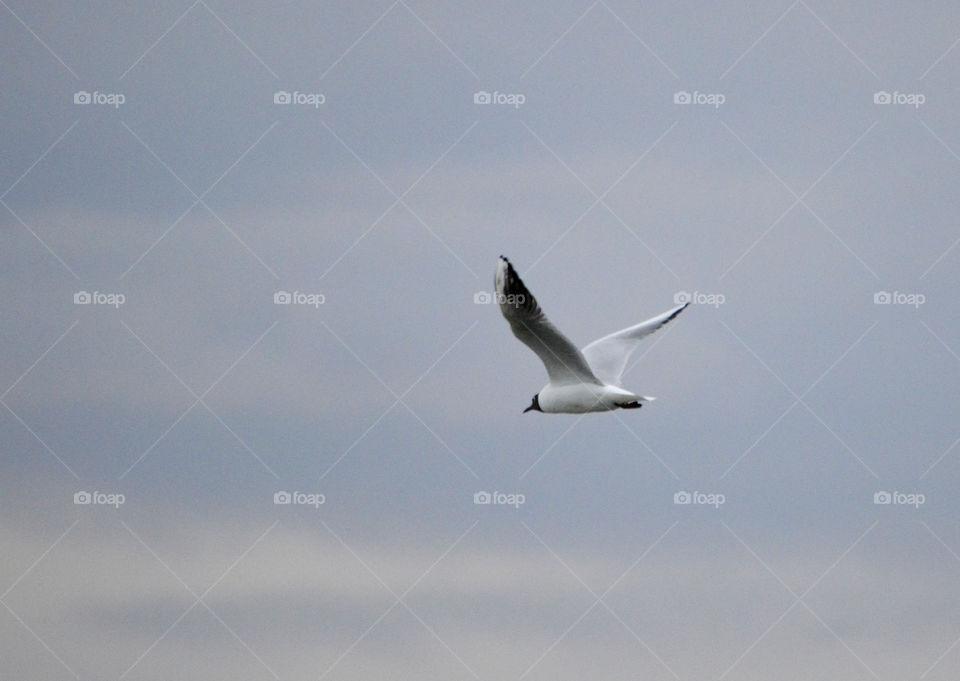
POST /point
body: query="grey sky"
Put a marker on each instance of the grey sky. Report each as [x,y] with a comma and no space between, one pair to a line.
[787,208]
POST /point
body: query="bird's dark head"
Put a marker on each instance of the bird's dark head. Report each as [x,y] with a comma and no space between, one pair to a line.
[535,405]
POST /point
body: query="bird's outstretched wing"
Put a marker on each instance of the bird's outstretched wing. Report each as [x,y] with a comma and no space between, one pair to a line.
[564,362]
[608,356]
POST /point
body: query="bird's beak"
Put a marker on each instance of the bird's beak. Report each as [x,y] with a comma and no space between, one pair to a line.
[530,408]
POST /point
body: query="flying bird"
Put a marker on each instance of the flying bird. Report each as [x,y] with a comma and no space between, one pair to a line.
[581,381]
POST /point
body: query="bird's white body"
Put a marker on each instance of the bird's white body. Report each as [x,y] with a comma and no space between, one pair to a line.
[581,381]
[582,398]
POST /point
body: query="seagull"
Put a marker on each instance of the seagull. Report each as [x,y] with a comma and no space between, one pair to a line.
[581,381]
